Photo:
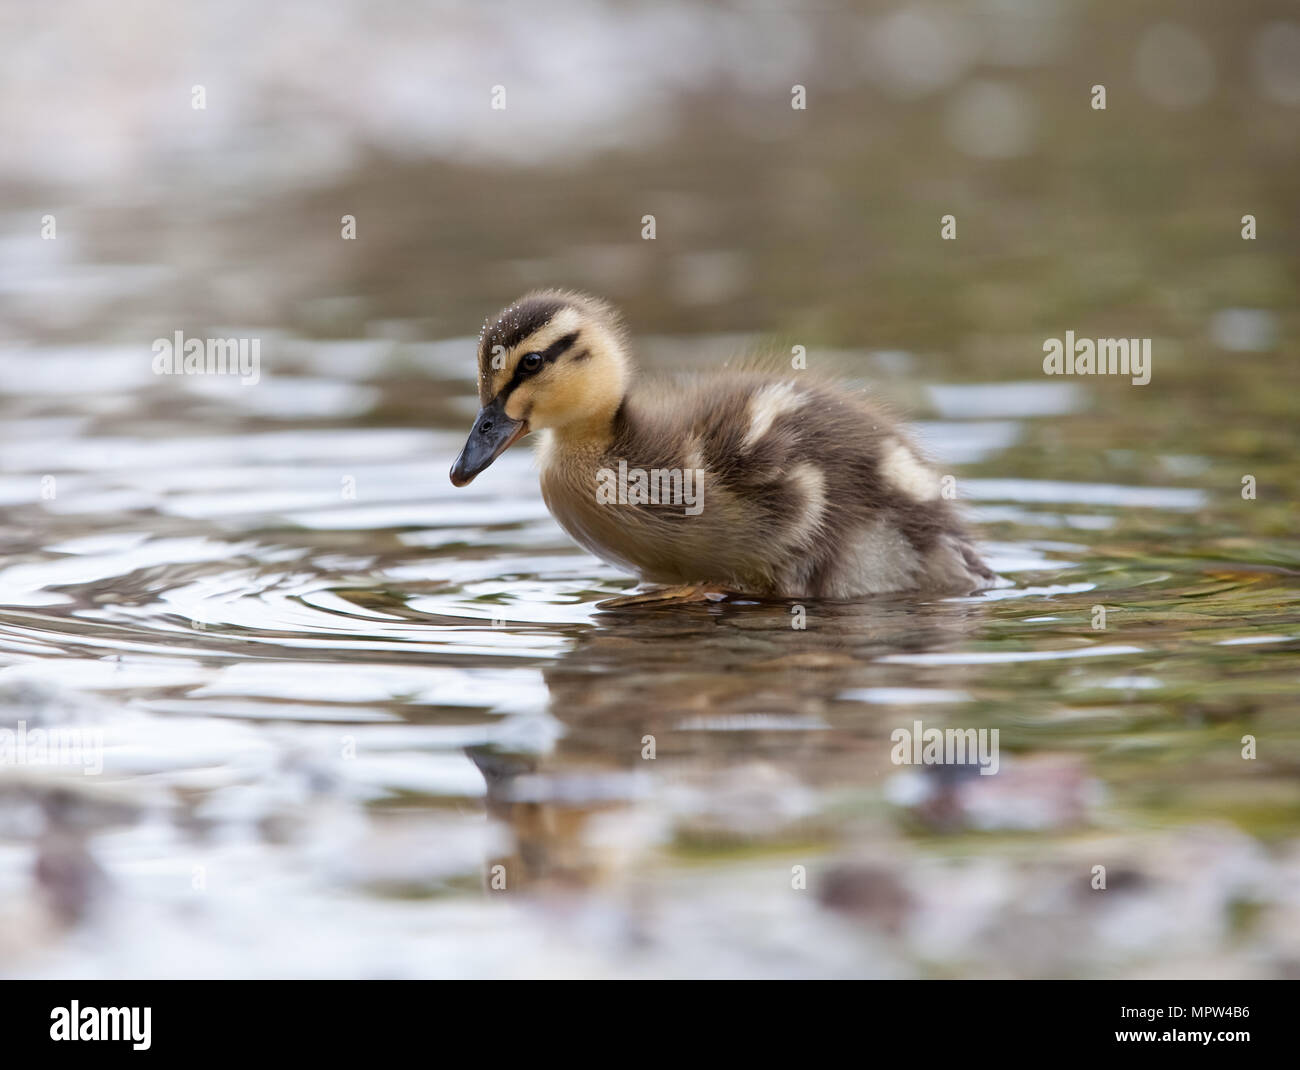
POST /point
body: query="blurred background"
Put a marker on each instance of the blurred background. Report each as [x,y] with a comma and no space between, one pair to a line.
[334,693]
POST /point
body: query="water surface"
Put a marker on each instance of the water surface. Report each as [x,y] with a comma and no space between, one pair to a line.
[336,692]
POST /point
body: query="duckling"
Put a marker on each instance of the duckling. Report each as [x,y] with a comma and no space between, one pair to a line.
[734,482]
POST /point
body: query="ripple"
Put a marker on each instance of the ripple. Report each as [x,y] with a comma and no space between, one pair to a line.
[299,639]
[1010,657]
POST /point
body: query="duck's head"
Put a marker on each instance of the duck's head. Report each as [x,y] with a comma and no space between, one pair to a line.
[551,360]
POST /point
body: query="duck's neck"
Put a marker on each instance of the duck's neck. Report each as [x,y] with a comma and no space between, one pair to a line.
[592,434]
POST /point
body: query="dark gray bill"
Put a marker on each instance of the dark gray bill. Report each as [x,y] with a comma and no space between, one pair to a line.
[492,434]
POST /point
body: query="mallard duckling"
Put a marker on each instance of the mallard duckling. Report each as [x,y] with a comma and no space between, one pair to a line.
[738,481]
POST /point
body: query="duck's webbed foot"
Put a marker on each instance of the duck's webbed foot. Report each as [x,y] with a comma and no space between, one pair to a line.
[662,596]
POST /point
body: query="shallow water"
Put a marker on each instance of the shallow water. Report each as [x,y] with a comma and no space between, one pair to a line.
[317,667]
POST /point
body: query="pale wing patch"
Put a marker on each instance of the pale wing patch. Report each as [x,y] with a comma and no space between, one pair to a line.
[694,458]
[769,403]
[811,482]
[905,473]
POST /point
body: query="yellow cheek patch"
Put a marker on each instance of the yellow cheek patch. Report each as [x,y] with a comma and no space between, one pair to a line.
[520,402]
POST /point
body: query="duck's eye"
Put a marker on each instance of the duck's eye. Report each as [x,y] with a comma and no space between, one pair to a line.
[531,362]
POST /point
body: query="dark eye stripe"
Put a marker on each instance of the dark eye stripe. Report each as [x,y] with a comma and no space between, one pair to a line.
[559,347]
[549,355]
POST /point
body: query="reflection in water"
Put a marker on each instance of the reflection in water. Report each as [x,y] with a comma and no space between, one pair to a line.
[725,713]
[316,698]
